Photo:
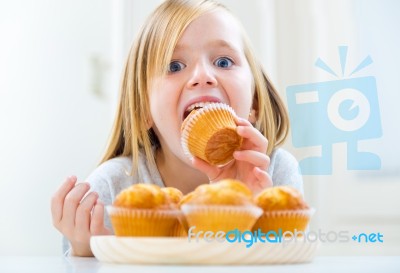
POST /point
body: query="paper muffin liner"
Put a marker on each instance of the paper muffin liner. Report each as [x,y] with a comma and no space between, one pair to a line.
[220,217]
[285,220]
[142,222]
[179,228]
[210,134]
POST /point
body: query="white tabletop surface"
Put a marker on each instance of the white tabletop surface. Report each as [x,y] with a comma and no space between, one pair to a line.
[56,264]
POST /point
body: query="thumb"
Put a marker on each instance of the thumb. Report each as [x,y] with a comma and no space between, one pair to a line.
[211,171]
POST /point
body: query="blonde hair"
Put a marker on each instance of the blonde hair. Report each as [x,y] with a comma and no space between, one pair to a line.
[150,56]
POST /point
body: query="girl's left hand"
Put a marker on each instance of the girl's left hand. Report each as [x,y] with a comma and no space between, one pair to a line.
[250,164]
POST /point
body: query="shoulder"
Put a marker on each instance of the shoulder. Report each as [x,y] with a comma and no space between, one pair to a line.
[280,158]
[120,165]
[284,169]
[114,175]
[115,167]
[110,177]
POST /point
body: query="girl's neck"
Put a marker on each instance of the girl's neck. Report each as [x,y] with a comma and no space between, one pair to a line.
[177,174]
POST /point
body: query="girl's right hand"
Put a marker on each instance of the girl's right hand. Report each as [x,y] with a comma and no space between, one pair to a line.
[78,219]
[250,164]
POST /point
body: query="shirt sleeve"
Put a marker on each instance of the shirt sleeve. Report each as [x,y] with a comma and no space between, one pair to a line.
[284,170]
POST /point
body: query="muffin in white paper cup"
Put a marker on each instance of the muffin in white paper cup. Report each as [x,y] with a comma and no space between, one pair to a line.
[210,133]
[142,222]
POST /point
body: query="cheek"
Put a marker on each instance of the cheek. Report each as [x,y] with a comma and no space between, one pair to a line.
[243,94]
[163,105]
[153,104]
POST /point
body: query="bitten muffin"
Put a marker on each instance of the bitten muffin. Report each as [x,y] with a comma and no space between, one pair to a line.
[143,210]
[284,209]
[210,134]
[221,206]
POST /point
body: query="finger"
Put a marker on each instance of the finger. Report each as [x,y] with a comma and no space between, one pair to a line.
[263,177]
[253,157]
[97,221]
[242,122]
[82,217]
[57,201]
[211,171]
[71,203]
[256,138]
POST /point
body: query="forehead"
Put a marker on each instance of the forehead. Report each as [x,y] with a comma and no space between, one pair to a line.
[217,28]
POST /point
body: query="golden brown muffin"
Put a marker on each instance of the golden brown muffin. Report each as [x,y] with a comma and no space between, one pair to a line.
[221,206]
[235,185]
[210,133]
[142,196]
[284,210]
[186,198]
[143,210]
[280,198]
[224,192]
[173,194]
[179,229]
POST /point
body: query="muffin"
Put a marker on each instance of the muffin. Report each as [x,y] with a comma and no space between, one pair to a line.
[143,210]
[210,134]
[221,206]
[173,194]
[284,209]
[179,229]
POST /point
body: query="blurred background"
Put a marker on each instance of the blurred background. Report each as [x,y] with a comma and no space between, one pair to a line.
[60,67]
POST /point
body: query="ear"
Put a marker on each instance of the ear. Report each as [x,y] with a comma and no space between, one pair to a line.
[253,116]
[149,122]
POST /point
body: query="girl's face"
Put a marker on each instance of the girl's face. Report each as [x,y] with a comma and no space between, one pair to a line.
[208,65]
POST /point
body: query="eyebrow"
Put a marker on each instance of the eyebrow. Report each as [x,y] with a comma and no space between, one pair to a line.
[214,43]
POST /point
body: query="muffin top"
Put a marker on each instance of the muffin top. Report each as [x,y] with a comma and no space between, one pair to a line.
[142,196]
[280,198]
[224,192]
[174,195]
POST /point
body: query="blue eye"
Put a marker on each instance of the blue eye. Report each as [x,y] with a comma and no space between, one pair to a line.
[223,62]
[175,66]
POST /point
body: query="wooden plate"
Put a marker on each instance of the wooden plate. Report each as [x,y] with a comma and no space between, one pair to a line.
[178,250]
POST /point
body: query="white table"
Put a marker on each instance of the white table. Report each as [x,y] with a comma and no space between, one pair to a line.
[58,264]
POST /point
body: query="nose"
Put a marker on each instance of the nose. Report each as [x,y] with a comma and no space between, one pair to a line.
[202,76]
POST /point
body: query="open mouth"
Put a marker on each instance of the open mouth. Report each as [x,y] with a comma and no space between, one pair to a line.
[194,106]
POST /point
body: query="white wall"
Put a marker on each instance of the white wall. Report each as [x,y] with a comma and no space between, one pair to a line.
[52,123]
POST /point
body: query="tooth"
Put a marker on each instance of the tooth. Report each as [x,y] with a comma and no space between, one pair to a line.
[197,104]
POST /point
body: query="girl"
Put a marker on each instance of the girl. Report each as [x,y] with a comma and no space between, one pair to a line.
[188,52]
